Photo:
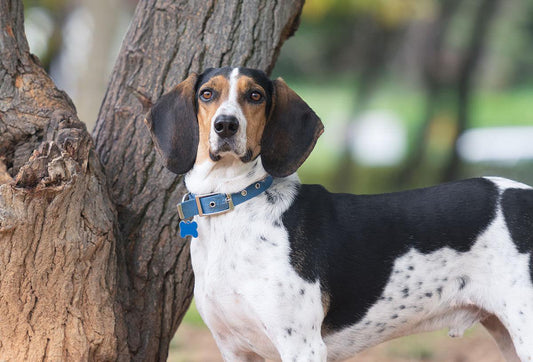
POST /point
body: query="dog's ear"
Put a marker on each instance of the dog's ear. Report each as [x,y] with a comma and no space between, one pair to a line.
[174,127]
[290,133]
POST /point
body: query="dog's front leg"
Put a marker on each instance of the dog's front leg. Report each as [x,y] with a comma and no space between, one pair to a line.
[300,346]
[230,355]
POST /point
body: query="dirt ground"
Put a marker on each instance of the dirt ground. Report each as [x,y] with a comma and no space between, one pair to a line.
[195,344]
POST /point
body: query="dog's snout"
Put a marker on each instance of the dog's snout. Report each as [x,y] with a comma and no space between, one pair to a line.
[226,126]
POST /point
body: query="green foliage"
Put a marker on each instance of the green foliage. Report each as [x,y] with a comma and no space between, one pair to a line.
[389,13]
[52,5]
[332,100]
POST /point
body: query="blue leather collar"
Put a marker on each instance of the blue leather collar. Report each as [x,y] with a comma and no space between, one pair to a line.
[212,204]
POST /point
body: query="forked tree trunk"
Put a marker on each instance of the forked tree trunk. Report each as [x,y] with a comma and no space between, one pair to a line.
[91,267]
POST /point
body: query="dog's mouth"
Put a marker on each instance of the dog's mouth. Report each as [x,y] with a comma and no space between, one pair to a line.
[229,148]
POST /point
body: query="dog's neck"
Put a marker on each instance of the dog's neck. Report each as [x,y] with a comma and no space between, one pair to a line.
[227,175]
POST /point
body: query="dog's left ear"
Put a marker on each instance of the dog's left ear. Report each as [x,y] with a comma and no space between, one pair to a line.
[174,127]
[290,133]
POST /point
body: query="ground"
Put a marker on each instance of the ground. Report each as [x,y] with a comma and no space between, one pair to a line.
[193,343]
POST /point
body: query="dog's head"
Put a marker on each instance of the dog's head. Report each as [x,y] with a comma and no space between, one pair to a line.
[233,113]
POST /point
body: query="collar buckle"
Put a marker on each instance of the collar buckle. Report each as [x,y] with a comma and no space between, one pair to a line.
[180,208]
[229,202]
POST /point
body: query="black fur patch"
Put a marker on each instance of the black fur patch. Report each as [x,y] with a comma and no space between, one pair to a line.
[290,133]
[517,205]
[350,242]
[174,127]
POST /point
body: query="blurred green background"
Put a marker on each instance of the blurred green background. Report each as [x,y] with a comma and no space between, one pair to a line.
[411,92]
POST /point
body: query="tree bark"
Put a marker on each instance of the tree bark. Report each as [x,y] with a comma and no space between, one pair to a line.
[58,264]
[91,265]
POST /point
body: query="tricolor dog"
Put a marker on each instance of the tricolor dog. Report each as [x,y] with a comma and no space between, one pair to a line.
[292,272]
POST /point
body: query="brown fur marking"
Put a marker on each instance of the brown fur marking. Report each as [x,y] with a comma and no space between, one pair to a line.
[206,111]
[254,113]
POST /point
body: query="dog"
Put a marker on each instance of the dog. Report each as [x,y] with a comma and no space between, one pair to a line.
[292,272]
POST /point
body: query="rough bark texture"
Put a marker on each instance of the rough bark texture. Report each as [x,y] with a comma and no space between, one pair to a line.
[166,41]
[57,259]
[91,265]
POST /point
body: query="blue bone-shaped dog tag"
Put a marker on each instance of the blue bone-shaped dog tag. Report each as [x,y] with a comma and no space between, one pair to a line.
[188,228]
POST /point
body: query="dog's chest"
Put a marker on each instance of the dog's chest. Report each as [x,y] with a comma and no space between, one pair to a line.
[240,260]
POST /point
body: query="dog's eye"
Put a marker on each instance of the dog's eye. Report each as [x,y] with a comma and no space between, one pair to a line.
[206,94]
[255,96]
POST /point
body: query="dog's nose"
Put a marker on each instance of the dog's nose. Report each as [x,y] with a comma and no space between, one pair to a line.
[226,126]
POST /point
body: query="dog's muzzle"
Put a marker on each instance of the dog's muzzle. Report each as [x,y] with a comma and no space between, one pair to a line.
[226,128]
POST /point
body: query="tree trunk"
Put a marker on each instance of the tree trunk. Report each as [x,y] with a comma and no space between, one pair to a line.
[91,265]
[434,86]
[482,21]
[58,264]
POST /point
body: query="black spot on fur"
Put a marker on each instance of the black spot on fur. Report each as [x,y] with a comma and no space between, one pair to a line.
[262,238]
[429,294]
[302,291]
[439,291]
[405,292]
[394,316]
[462,282]
[277,223]
[271,198]
[342,239]
[402,307]
[289,331]
[410,267]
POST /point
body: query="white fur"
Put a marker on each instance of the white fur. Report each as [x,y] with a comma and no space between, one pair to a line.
[234,267]
[504,183]
[231,107]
